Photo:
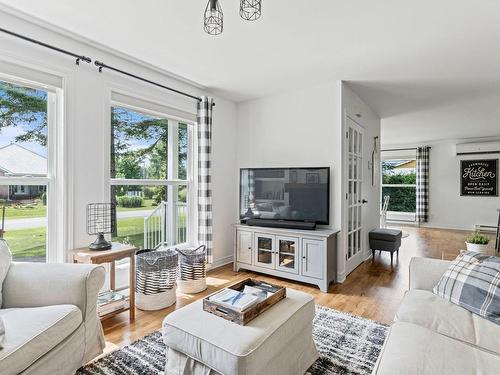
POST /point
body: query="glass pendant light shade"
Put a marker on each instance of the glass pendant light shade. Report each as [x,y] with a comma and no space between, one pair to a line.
[214,23]
[250,10]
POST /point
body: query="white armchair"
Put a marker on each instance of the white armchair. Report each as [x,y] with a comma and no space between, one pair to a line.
[49,312]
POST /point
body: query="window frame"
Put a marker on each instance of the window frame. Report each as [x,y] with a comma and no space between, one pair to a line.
[173,122]
[382,185]
[54,252]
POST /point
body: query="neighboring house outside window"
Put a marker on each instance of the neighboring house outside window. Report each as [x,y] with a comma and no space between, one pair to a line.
[27,117]
[20,161]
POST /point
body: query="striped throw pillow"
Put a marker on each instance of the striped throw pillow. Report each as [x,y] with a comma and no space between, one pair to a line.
[472,281]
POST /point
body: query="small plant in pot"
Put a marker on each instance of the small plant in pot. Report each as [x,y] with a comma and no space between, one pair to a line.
[477,242]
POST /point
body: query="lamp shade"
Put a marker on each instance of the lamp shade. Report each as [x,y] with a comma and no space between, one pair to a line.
[250,10]
[214,18]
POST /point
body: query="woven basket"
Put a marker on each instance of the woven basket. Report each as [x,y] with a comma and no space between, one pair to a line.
[192,276]
[156,274]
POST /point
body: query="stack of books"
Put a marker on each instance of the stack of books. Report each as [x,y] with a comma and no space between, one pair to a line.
[111,301]
[240,301]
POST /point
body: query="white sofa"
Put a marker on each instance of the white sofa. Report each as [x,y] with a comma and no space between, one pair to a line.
[433,336]
[49,312]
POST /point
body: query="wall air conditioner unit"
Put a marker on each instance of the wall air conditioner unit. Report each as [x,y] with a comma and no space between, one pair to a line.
[478,148]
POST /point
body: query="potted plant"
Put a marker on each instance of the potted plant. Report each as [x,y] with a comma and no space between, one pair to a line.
[477,242]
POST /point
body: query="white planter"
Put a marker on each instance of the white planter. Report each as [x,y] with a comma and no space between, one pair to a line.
[476,247]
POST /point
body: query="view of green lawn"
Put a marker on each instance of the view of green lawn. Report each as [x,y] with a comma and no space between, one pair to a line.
[39,210]
[27,243]
[131,230]
[25,211]
[31,242]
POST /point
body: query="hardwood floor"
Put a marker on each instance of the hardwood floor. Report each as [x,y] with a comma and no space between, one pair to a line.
[373,290]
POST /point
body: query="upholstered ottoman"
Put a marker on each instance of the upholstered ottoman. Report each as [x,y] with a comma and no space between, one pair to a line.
[279,341]
[385,240]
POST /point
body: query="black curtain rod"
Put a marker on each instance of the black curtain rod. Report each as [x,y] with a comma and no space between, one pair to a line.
[97,63]
[101,65]
[402,149]
[49,46]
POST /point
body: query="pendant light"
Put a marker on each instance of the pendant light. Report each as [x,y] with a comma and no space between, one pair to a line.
[213,18]
[250,10]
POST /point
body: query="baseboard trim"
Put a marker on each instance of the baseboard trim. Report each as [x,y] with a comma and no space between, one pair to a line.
[221,262]
[341,276]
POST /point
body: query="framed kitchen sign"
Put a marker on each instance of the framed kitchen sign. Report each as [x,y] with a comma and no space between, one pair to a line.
[479,178]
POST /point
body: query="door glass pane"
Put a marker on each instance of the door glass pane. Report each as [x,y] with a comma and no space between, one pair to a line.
[287,249]
[355,244]
[355,141]
[350,140]
[360,149]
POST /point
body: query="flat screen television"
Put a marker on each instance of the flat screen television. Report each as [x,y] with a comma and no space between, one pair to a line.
[294,194]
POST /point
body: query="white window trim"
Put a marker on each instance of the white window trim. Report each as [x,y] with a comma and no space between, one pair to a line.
[173,121]
[55,237]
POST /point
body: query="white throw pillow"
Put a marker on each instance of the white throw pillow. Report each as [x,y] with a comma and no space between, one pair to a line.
[5,260]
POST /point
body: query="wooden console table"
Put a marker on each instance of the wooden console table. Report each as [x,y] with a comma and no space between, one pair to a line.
[117,252]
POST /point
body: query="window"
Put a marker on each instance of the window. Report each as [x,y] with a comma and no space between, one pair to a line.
[150,177]
[27,120]
[399,183]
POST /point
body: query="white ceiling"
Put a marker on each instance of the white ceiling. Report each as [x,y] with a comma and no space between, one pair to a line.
[402,57]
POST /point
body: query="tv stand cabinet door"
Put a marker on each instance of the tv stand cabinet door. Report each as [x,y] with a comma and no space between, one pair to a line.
[313,253]
[287,254]
[264,250]
[244,246]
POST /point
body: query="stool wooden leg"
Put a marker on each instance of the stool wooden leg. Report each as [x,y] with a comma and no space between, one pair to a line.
[373,255]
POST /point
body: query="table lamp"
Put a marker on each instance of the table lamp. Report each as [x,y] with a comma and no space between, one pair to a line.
[101,219]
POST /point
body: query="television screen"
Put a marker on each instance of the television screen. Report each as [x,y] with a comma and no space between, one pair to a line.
[298,194]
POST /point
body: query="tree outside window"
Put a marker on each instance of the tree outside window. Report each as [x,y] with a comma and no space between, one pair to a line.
[399,182]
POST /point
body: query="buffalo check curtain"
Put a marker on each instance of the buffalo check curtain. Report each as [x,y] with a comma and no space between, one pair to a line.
[422,184]
[204,118]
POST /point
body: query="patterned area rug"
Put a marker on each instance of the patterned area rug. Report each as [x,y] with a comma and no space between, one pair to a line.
[347,345]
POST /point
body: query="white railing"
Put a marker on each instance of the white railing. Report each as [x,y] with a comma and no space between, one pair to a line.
[158,229]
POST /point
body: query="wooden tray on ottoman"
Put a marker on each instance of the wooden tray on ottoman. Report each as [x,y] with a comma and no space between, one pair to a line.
[245,316]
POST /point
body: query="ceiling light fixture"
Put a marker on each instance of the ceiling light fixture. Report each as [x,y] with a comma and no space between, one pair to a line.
[250,10]
[214,23]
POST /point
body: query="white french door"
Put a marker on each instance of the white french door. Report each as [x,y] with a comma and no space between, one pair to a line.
[354,195]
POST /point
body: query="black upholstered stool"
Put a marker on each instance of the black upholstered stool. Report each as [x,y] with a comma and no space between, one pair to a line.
[385,240]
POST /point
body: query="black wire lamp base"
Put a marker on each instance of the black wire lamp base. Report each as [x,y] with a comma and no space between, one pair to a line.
[100,243]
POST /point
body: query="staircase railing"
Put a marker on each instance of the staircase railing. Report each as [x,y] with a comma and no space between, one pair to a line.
[156,226]
[155,229]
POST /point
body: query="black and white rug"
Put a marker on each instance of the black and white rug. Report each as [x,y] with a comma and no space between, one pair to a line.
[347,345]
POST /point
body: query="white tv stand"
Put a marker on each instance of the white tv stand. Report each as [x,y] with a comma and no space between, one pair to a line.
[309,256]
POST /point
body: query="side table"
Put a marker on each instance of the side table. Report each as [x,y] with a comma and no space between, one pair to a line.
[117,252]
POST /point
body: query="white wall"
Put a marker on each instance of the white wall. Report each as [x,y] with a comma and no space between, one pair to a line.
[86,127]
[300,128]
[304,128]
[447,209]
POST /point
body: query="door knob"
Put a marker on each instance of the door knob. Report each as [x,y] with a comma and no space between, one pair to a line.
[364,201]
